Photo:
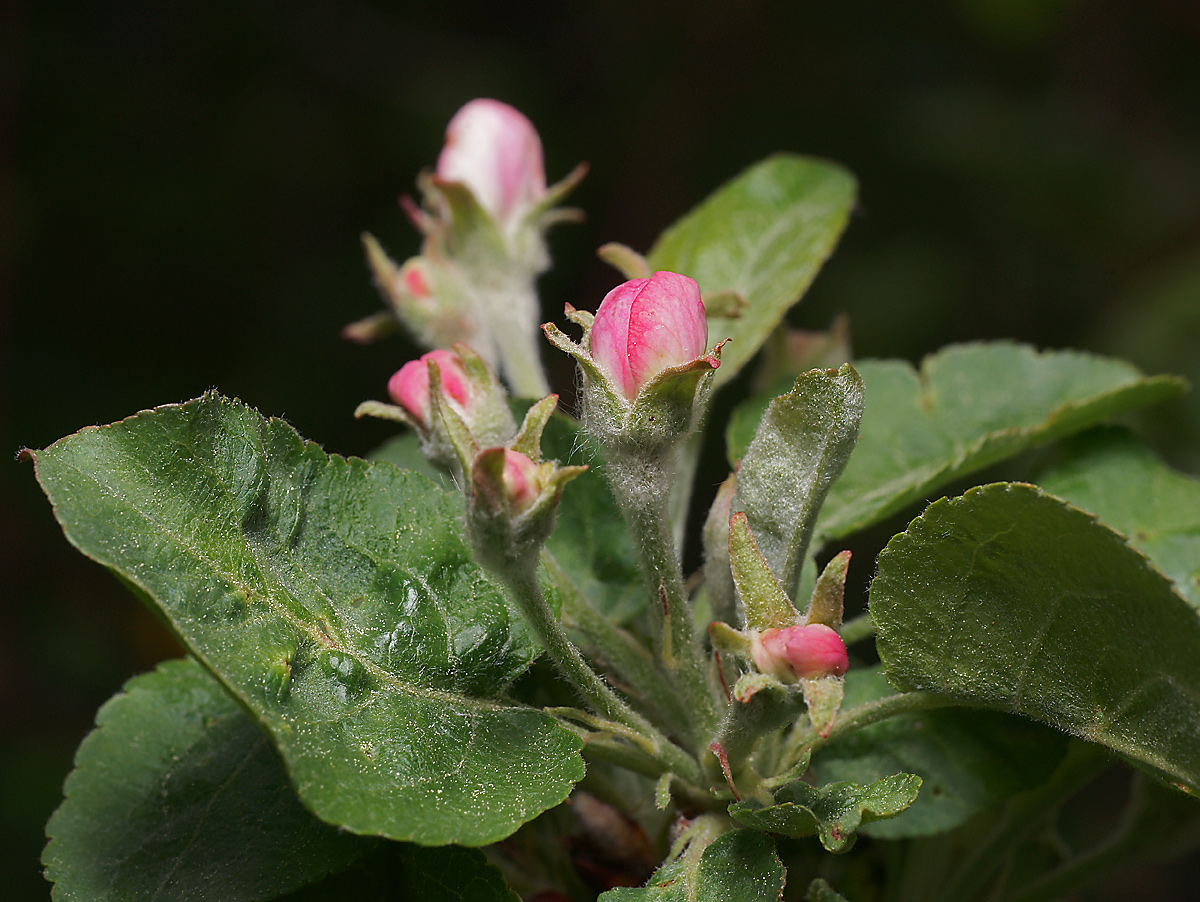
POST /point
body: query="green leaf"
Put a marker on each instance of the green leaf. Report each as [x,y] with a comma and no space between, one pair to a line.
[739,866]
[968,760]
[590,541]
[337,601]
[762,237]
[1009,598]
[1120,480]
[178,794]
[834,811]
[968,406]
[402,872]
[800,448]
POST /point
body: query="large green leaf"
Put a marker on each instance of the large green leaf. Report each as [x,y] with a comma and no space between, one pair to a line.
[761,236]
[834,812]
[799,449]
[337,600]
[178,794]
[1009,598]
[968,760]
[1120,480]
[739,866]
[967,407]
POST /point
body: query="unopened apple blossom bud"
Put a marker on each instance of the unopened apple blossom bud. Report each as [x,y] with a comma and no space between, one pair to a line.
[800,652]
[522,481]
[645,326]
[495,151]
[409,386]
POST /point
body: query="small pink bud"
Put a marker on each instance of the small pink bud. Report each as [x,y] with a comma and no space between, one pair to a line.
[495,151]
[645,326]
[800,652]
[522,481]
[409,386]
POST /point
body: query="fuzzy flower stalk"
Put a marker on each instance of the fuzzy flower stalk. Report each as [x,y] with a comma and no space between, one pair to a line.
[484,215]
[647,374]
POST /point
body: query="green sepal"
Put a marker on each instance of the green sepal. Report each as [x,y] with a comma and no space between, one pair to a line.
[529,437]
[625,260]
[729,641]
[764,603]
[828,597]
[823,698]
[381,410]
[371,328]
[541,215]
[725,304]
[834,812]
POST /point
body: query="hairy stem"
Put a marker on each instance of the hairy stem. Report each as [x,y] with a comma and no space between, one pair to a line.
[641,483]
[523,583]
[627,657]
[512,324]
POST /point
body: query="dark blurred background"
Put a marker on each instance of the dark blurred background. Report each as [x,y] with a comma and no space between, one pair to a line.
[182,186]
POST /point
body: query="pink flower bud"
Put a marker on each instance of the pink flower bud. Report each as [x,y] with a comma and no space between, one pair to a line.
[522,481]
[647,325]
[800,652]
[495,151]
[409,386]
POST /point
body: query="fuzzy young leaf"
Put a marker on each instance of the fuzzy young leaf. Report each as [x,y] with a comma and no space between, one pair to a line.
[1009,598]
[968,760]
[337,600]
[800,448]
[968,406]
[178,794]
[739,866]
[1120,480]
[834,812]
[762,237]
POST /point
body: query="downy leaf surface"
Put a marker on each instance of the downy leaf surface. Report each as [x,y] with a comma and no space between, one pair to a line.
[967,407]
[834,811]
[337,601]
[1116,477]
[968,760]
[1012,599]
[179,794]
[800,447]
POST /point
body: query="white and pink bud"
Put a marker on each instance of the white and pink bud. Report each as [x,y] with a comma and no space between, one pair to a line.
[645,326]
[800,653]
[409,386]
[496,152]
